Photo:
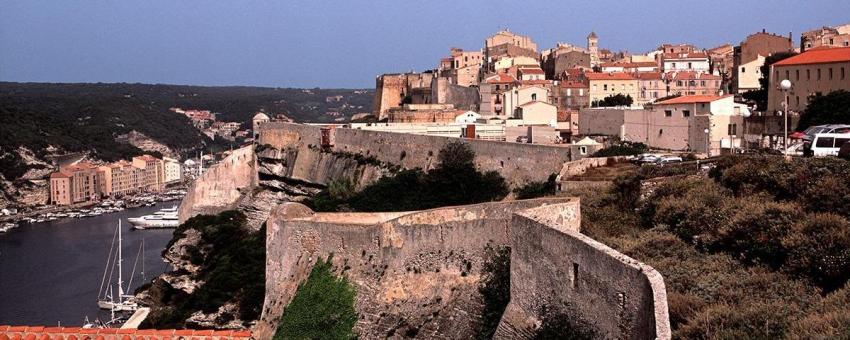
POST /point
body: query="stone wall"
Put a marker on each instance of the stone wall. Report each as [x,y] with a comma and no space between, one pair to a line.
[519,163]
[417,273]
[221,186]
[579,167]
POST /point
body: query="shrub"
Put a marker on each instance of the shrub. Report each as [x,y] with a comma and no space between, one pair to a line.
[495,288]
[537,189]
[622,149]
[754,233]
[626,190]
[694,216]
[322,308]
[829,320]
[819,248]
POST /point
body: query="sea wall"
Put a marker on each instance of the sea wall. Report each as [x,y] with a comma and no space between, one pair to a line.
[417,273]
[519,163]
[221,186]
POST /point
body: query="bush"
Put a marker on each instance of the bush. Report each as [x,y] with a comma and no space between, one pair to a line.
[831,108]
[495,288]
[626,190]
[695,215]
[322,308]
[819,248]
[537,189]
[622,149]
[754,233]
[829,320]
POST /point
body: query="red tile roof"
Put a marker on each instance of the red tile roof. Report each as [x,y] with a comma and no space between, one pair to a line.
[536,82]
[631,65]
[501,78]
[691,55]
[67,333]
[531,70]
[818,56]
[691,99]
[608,76]
[649,76]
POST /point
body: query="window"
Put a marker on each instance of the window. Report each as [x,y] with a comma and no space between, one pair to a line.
[732,129]
[679,83]
[798,74]
[842,73]
[692,83]
[569,92]
[830,73]
[787,74]
[686,113]
[702,83]
[534,96]
[824,142]
[831,41]
[808,74]
[668,113]
[583,150]
[690,65]
[841,141]
[674,65]
[604,87]
[622,87]
[743,70]
[818,74]
[798,101]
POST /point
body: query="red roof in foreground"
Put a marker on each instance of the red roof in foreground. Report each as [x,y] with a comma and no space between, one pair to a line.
[67,333]
[692,99]
[818,56]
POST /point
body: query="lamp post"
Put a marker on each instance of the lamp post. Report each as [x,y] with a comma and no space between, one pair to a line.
[785,85]
[746,114]
[707,143]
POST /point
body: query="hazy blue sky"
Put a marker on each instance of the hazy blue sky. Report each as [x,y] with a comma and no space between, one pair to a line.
[345,43]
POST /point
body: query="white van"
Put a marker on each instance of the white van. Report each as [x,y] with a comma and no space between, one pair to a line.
[827,144]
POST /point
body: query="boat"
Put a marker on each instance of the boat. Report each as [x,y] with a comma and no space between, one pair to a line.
[120,302]
[165,218]
[5,227]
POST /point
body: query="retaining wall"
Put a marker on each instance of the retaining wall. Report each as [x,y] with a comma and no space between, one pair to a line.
[221,186]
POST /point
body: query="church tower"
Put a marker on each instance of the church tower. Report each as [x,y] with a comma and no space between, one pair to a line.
[593,48]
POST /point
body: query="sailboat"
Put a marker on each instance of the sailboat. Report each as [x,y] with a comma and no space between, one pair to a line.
[121,302]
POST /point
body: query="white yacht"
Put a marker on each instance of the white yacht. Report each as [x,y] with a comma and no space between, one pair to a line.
[165,218]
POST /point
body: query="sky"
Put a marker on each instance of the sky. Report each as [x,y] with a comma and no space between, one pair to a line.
[346,43]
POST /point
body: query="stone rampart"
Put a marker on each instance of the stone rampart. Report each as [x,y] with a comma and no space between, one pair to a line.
[221,186]
[579,167]
[417,273]
[519,163]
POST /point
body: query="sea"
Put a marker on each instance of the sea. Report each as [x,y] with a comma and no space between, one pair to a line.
[51,272]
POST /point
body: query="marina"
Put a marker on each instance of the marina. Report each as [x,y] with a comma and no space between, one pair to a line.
[34,255]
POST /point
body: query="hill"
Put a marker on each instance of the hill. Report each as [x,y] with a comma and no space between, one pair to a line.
[60,118]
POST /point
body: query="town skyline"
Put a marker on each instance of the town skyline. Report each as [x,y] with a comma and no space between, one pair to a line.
[118,43]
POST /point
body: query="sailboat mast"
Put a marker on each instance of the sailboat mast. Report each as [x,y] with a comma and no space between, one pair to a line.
[120,271]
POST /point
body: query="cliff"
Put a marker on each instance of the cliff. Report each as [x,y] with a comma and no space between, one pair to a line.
[222,185]
[417,273]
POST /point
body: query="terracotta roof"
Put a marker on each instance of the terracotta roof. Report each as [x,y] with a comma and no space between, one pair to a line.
[649,76]
[536,82]
[534,102]
[501,78]
[691,55]
[692,99]
[531,70]
[608,76]
[66,333]
[631,65]
[818,56]
[60,174]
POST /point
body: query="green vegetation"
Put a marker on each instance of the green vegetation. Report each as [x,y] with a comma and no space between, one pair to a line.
[322,308]
[495,288]
[232,260]
[613,100]
[622,149]
[832,108]
[746,253]
[454,181]
[537,189]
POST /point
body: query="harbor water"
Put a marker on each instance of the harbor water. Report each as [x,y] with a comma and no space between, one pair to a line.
[50,272]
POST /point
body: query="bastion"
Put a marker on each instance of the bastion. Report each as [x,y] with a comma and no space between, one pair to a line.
[417,273]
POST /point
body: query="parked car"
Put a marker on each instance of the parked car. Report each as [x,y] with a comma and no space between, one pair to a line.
[827,144]
[809,134]
[668,160]
[646,158]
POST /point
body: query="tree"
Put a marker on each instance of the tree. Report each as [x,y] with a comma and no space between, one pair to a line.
[832,108]
[322,308]
[614,100]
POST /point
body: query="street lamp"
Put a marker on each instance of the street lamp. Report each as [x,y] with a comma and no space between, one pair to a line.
[707,143]
[746,115]
[785,85]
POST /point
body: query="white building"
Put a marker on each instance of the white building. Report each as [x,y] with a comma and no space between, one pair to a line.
[694,61]
[173,170]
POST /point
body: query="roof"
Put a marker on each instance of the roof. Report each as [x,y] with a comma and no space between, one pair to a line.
[60,174]
[692,99]
[818,56]
[587,141]
[649,76]
[536,82]
[501,78]
[592,35]
[49,333]
[608,76]
[631,64]
[691,55]
[531,70]
[534,102]
[260,115]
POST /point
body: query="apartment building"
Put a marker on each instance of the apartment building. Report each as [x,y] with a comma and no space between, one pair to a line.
[815,72]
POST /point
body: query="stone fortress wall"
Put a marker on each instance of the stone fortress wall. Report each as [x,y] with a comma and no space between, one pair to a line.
[221,186]
[416,273]
[518,163]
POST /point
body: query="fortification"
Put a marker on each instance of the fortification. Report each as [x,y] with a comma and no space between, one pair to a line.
[417,273]
[221,186]
[391,89]
[519,163]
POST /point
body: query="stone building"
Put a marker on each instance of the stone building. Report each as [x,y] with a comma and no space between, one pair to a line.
[258,119]
[749,57]
[815,72]
[423,113]
[685,61]
[490,93]
[572,95]
[835,36]
[602,85]
[651,86]
[505,37]
[721,60]
[692,83]
[593,48]
[463,67]
[394,90]
[523,95]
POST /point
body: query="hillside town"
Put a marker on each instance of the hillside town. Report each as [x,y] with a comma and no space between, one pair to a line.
[677,97]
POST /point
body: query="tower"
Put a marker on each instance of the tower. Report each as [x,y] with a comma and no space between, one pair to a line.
[593,48]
